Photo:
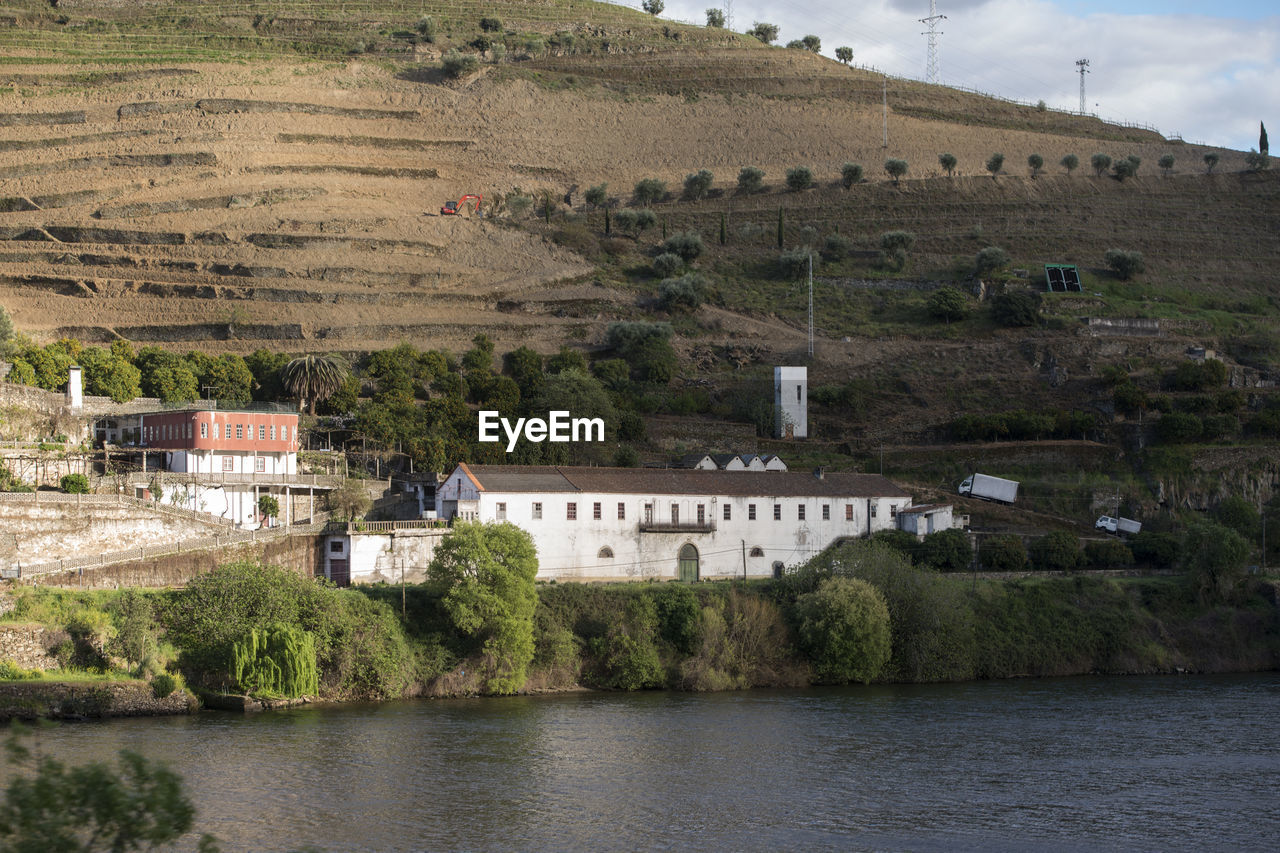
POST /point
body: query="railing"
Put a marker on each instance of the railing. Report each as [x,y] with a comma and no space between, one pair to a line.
[392,526]
[322,481]
[111,500]
[707,526]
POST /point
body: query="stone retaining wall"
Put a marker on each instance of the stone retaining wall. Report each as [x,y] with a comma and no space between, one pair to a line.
[29,700]
[30,646]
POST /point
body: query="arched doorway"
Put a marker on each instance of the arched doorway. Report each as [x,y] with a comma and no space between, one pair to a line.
[688,563]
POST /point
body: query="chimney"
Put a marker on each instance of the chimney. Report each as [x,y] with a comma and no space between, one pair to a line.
[75,390]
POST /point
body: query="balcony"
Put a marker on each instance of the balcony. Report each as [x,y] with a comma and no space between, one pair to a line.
[708,526]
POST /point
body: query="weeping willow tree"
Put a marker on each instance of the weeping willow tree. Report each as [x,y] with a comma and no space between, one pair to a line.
[279,660]
[314,378]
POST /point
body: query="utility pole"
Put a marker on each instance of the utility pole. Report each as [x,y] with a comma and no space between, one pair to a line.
[811,305]
[1083,65]
[744,562]
[931,68]
[886,111]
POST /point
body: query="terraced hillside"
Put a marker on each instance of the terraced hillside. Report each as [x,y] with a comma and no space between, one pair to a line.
[227,176]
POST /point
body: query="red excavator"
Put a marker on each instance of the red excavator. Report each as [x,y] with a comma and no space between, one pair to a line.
[453,208]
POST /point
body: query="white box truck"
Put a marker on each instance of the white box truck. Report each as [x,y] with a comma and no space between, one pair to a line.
[1117,525]
[989,488]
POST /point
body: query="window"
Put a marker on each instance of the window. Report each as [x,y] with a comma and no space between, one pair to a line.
[595,510]
[259,464]
[777,512]
[605,553]
[751,512]
[848,512]
[537,510]
[204,430]
[893,510]
[727,512]
[284,433]
[702,513]
[622,511]
[228,463]
[874,508]
[239,431]
[262,432]
[501,510]
[273,432]
[826,512]
[335,546]
[571,512]
[800,512]
[757,551]
[188,429]
[648,513]
[217,430]
[798,393]
[675,513]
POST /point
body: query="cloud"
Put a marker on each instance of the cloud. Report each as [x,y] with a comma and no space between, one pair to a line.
[1210,79]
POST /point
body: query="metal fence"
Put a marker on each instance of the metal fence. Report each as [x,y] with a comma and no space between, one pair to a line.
[37,498]
[218,478]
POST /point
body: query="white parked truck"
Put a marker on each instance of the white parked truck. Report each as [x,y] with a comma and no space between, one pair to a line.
[989,488]
[1117,525]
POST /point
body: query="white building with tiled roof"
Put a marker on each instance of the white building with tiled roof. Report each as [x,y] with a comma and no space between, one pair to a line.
[608,524]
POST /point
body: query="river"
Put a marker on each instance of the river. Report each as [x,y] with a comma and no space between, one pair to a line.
[1141,763]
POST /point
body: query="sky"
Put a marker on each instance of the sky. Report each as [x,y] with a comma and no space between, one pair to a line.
[1208,72]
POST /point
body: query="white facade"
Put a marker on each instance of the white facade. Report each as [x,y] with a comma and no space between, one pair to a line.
[791,401]
[923,520]
[595,524]
[231,462]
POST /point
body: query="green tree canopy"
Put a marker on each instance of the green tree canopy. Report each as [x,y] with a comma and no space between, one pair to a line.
[485,573]
[844,628]
[311,379]
[948,162]
[767,33]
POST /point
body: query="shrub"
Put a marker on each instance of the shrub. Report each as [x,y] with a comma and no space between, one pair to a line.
[990,260]
[455,64]
[519,205]
[995,163]
[649,190]
[1071,162]
[1125,167]
[1178,427]
[1003,554]
[1035,163]
[667,264]
[491,25]
[850,174]
[1220,427]
[895,168]
[837,247]
[767,33]
[1165,163]
[1240,515]
[1129,398]
[750,180]
[163,685]
[894,246]
[1108,554]
[687,244]
[1124,263]
[426,27]
[276,661]
[1057,551]
[794,263]
[948,162]
[683,294]
[947,304]
[1100,163]
[625,337]
[1016,308]
[74,484]
[597,196]
[1158,550]
[1257,162]
[946,551]
[1199,376]
[1214,556]
[844,628]
[698,184]
[799,178]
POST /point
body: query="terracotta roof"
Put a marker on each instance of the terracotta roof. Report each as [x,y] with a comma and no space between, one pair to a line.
[682,481]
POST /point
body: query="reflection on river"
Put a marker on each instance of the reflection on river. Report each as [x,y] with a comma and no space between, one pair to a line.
[1088,763]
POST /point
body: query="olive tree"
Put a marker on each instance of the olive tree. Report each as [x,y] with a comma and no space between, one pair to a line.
[844,54]
[750,179]
[995,163]
[653,7]
[948,162]
[1210,160]
[947,304]
[1070,162]
[698,184]
[649,190]
[990,259]
[895,168]
[799,178]
[1035,163]
[715,18]
[1124,263]
[850,174]
[1100,163]
[1165,163]
[767,33]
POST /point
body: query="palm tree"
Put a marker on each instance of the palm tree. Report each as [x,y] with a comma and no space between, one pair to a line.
[312,378]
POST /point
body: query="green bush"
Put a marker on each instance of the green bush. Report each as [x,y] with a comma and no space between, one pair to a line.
[455,64]
[1108,554]
[687,244]
[850,174]
[844,629]
[1016,308]
[648,191]
[698,184]
[1003,553]
[948,162]
[799,178]
[946,551]
[667,264]
[1100,163]
[74,484]
[947,304]
[750,179]
[1178,428]
[895,168]
[491,25]
[683,294]
[837,247]
[995,163]
[163,685]
[597,196]
[1125,264]
[1057,551]
[794,263]
[989,260]
[1070,162]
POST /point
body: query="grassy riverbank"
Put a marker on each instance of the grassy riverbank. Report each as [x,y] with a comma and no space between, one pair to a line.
[372,643]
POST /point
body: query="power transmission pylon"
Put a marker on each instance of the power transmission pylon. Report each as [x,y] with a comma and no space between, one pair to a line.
[931,70]
[728,14]
[1083,65]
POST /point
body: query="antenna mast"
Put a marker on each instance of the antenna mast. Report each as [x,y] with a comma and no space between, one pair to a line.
[1083,65]
[728,14]
[811,305]
[931,70]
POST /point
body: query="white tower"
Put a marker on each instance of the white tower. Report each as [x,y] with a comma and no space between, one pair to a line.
[1083,65]
[75,389]
[931,70]
[791,402]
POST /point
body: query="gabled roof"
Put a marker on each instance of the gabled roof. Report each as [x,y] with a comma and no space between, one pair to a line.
[680,481]
[924,508]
